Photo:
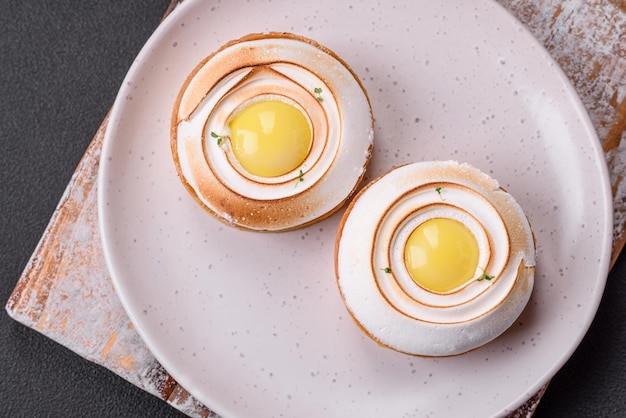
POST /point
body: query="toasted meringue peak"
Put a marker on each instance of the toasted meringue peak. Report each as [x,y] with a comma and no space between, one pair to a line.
[272,67]
[378,288]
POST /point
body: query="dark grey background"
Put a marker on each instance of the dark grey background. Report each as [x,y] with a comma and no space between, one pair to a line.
[61,64]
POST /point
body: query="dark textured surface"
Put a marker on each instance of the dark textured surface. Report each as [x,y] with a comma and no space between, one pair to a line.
[593,381]
[61,64]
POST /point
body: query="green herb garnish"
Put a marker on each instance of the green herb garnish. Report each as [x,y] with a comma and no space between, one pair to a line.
[485,276]
[387,270]
[318,92]
[219,138]
[300,177]
[438,190]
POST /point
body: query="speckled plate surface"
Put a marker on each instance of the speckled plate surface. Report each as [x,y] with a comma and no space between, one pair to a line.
[252,324]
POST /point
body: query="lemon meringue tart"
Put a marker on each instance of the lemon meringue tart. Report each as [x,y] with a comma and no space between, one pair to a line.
[272,132]
[435,259]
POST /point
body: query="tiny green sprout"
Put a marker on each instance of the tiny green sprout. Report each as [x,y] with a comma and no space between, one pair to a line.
[485,276]
[219,138]
[300,178]
[438,190]
[318,92]
[387,270]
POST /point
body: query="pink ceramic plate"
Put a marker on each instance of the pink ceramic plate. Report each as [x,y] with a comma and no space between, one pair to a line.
[252,324]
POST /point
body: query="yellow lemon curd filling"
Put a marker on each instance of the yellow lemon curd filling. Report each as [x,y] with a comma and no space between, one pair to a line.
[270,138]
[441,254]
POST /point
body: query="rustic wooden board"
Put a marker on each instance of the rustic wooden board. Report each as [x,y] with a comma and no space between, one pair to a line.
[65,291]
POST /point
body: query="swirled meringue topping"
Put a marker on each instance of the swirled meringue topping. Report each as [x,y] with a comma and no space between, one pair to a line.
[272,132]
[435,259]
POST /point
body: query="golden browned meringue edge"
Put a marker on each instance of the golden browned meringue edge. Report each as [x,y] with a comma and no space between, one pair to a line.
[520,290]
[268,215]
